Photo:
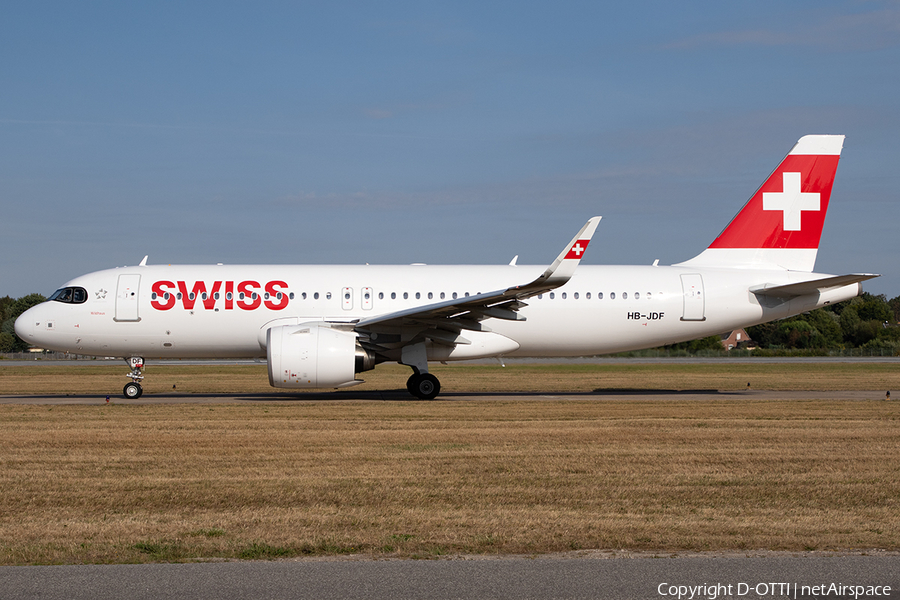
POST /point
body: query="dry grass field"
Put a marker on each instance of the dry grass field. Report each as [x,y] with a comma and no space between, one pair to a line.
[282,477]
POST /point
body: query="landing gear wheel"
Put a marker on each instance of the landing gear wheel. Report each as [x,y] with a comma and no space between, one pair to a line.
[423,386]
[133,391]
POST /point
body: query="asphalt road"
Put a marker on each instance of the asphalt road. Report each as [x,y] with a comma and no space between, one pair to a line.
[403,396]
[519,578]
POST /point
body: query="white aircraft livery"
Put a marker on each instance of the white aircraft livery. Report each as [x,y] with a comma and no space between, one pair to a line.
[319,326]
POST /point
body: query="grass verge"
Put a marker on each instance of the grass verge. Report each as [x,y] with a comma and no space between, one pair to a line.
[267,480]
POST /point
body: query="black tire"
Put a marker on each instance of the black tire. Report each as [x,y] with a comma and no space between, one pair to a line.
[411,384]
[425,386]
[133,391]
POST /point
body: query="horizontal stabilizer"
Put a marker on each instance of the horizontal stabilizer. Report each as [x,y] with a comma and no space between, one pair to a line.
[805,288]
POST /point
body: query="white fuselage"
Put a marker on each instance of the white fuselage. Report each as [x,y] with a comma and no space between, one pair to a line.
[602,309]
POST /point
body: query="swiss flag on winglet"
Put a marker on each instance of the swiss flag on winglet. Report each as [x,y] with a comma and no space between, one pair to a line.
[788,210]
[577,249]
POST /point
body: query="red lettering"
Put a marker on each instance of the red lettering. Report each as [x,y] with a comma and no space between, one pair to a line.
[252,299]
[249,295]
[159,288]
[210,303]
[272,288]
[188,299]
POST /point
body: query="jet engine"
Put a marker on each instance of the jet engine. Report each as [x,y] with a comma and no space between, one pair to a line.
[313,355]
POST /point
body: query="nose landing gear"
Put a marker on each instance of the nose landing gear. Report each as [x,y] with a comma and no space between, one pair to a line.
[133,390]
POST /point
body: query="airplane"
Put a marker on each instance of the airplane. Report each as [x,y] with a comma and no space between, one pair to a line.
[319,326]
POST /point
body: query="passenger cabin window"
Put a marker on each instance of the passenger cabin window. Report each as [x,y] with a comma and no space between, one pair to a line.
[70,295]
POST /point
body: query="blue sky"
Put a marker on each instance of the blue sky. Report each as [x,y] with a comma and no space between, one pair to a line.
[447,132]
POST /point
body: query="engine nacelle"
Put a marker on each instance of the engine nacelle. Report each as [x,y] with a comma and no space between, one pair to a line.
[312,355]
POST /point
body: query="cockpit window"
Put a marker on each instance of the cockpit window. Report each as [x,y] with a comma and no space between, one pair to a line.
[70,295]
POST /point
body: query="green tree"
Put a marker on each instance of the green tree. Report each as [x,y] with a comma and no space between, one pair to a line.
[894,304]
[874,308]
[7,342]
[799,334]
[828,325]
[850,322]
[5,303]
[12,312]
[764,334]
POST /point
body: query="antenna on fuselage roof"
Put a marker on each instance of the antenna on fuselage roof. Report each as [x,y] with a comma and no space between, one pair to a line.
[144,262]
[512,263]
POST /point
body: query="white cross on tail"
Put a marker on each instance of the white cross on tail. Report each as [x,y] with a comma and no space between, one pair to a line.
[791,201]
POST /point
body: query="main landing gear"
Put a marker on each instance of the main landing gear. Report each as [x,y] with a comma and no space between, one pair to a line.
[423,386]
[133,390]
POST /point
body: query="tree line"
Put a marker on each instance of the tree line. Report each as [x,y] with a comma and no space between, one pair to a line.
[868,321]
[10,309]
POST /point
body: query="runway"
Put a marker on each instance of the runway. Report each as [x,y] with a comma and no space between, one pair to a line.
[403,396]
[572,576]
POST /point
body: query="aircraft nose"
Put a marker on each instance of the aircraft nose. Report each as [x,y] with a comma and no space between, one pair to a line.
[25,325]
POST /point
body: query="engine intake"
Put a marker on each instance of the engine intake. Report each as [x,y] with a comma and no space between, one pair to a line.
[313,355]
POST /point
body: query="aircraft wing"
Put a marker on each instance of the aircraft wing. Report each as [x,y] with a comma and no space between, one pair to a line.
[467,312]
[815,286]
